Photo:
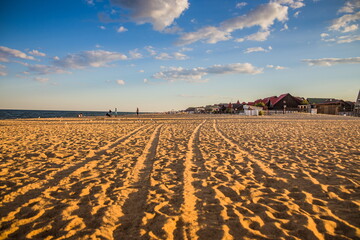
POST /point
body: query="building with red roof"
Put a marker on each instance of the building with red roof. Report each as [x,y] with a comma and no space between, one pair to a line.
[284,101]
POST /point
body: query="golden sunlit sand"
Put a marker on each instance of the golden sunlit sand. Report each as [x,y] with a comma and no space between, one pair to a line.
[181,177]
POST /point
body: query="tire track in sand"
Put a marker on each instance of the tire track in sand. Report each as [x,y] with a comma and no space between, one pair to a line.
[23,197]
[122,220]
[264,168]
[189,213]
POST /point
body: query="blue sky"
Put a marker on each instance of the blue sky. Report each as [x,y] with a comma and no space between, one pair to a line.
[160,55]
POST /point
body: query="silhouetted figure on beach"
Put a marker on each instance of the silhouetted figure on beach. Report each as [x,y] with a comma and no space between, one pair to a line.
[109,113]
[137,111]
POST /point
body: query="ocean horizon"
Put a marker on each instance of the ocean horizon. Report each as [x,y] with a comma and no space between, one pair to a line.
[21,114]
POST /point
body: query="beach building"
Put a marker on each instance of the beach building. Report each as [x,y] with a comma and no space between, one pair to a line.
[283,102]
[335,107]
[357,106]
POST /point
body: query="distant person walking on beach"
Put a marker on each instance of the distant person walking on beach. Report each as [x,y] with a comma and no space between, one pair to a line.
[137,111]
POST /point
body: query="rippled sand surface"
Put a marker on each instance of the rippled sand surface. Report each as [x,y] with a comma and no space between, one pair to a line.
[181,177]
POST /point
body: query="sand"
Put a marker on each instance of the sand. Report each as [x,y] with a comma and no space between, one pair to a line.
[212,177]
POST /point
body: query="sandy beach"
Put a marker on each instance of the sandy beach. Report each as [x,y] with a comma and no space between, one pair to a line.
[293,176]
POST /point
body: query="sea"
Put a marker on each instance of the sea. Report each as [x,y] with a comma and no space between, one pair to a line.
[18,114]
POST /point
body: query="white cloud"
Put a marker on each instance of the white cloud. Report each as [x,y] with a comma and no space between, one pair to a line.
[172,30]
[286,27]
[90,2]
[121,29]
[134,54]
[98,46]
[350,6]
[45,69]
[324,35]
[350,28]
[102,27]
[290,3]
[186,49]
[37,53]
[160,13]
[343,23]
[208,34]
[331,61]
[167,56]
[146,80]
[276,67]
[7,53]
[257,49]
[150,50]
[141,71]
[348,39]
[196,74]
[2,66]
[263,16]
[340,39]
[2,73]
[259,36]
[163,56]
[296,14]
[241,4]
[97,58]
[180,56]
[120,82]
[41,79]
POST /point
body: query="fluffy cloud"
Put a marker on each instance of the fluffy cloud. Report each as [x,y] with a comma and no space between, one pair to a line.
[340,39]
[97,58]
[241,4]
[150,50]
[160,13]
[350,6]
[134,54]
[259,36]
[290,3]
[331,61]
[120,82]
[324,35]
[347,23]
[167,56]
[121,29]
[348,39]
[196,74]
[257,49]
[264,16]
[45,69]
[343,23]
[37,53]
[7,53]
[208,34]
[276,67]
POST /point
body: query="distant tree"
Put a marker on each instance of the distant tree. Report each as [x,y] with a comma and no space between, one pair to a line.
[304,102]
[260,104]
